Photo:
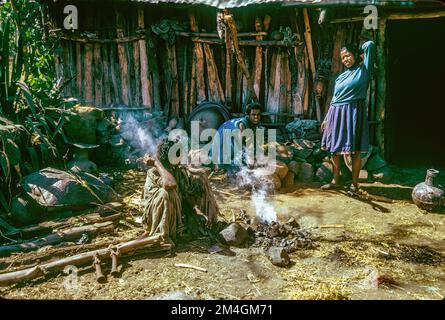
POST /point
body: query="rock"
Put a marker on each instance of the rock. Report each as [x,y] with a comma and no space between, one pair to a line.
[294,166]
[81,124]
[293,223]
[279,168]
[278,256]
[302,154]
[288,180]
[306,172]
[276,181]
[234,235]
[325,172]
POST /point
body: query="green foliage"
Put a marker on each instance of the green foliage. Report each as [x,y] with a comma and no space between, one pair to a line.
[29,95]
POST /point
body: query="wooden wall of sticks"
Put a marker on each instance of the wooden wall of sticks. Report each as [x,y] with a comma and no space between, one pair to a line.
[126,54]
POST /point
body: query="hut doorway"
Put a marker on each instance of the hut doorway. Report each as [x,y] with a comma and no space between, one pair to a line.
[415,112]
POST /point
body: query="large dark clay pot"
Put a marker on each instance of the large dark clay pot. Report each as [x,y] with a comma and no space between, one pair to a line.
[426,196]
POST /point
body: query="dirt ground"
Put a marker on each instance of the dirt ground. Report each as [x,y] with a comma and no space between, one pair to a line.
[361,249]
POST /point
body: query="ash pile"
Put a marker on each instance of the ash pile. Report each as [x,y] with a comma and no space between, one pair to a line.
[279,240]
[288,235]
[276,239]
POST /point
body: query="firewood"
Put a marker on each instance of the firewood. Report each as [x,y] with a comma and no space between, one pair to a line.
[58,237]
[149,243]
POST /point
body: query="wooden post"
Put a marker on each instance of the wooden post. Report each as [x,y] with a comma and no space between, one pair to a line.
[185,80]
[198,59]
[273,102]
[79,69]
[230,23]
[258,59]
[98,74]
[113,73]
[88,72]
[308,38]
[336,65]
[229,57]
[137,74]
[171,76]
[215,88]
[123,61]
[381,84]
[145,81]
[154,70]
[106,75]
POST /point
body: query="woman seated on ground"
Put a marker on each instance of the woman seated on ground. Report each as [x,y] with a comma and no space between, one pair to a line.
[176,197]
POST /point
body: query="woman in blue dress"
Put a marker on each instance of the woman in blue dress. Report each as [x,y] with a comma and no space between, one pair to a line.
[345,127]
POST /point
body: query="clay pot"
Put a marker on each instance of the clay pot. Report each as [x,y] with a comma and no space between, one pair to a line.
[426,196]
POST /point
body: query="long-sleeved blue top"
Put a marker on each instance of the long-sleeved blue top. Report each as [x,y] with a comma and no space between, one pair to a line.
[352,84]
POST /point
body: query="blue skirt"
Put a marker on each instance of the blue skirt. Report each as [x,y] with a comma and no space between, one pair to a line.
[347,129]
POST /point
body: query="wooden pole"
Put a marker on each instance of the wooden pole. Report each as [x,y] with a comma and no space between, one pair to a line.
[79,69]
[336,65]
[106,76]
[98,75]
[72,234]
[215,88]
[88,72]
[381,84]
[308,38]
[145,81]
[230,23]
[198,59]
[123,61]
[229,58]
[137,74]
[154,69]
[113,74]
[80,259]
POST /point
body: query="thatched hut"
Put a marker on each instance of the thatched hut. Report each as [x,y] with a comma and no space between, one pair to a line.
[170,55]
